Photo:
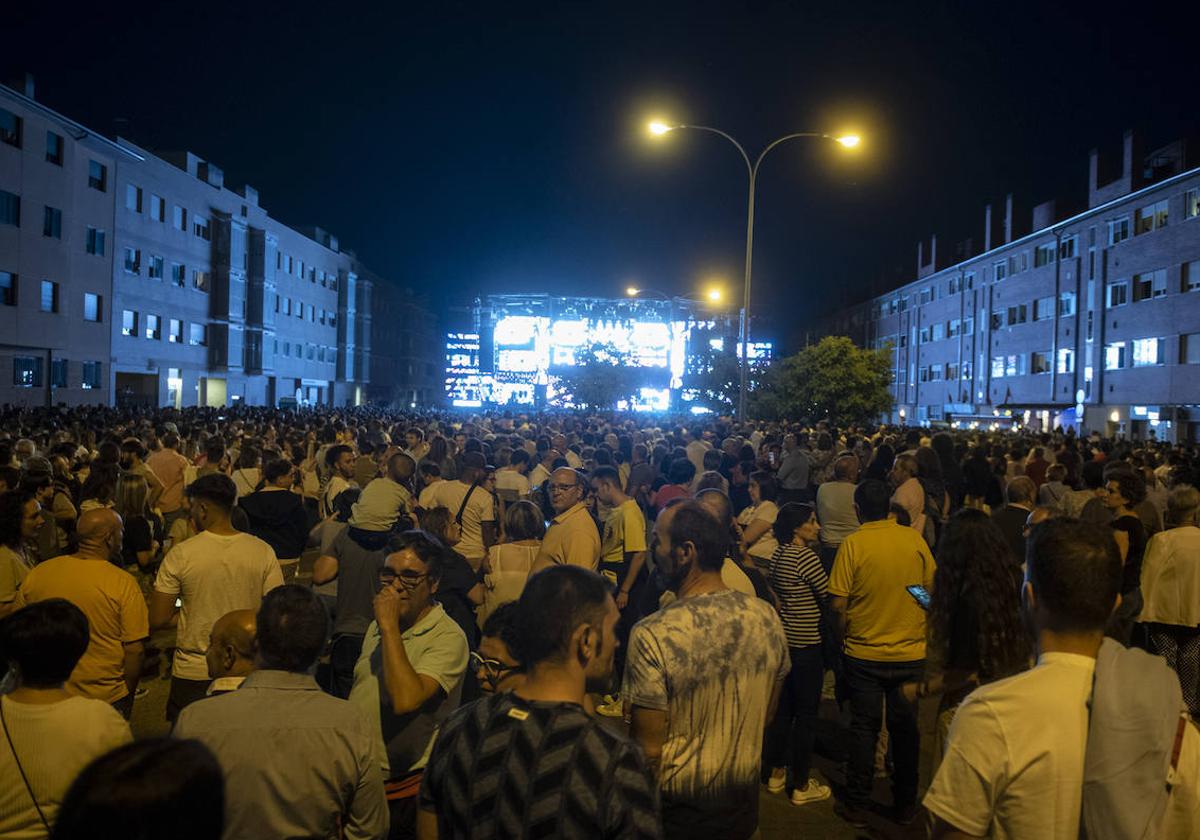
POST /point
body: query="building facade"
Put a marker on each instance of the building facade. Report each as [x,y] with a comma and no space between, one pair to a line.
[1090,321]
[134,278]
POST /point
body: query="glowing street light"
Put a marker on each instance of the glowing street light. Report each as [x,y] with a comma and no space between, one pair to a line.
[847,141]
[714,295]
[632,291]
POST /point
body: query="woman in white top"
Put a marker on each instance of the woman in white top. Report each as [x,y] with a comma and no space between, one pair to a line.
[758,539]
[506,568]
[49,734]
[246,475]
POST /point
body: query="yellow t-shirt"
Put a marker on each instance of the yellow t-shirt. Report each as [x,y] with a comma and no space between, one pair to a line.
[572,539]
[872,568]
[116,612]
[624,533]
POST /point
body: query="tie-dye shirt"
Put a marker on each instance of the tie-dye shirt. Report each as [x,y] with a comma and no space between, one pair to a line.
[710,662]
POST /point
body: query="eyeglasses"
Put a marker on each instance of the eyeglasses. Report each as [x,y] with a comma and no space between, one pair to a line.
[563,488]
[493,669]
[409,580]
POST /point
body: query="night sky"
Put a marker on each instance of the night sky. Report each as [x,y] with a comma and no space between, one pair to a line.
[474,148]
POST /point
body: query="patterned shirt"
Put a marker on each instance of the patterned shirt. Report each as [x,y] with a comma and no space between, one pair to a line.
[504,766]
[798,578]
[710,662]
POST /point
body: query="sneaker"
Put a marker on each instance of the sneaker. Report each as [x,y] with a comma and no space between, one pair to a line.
[141,692]
[611,707]
[814,791]
[857,817]
[777,781]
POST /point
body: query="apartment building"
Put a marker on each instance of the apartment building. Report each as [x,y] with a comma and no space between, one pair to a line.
[1091,319]
[136,278]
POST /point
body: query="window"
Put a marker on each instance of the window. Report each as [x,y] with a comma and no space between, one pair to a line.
[58,373]
[1151,217]
[133,260]
[153,327]
[312,352]
[1014,365]
[923,338]
[968,326]
[198,335]
[1000,270]
[93,307]
[966,370]
[287,306]
[200,228]
[156,267]
[1191,204]
[1114,355]
[1018,262]
[1018,314]
[1118,230]
[95,242]
[175,331]
[8,288]
[1066,360]
[200,280]
[1148,351]
[1150,284]
[332,319]
[1118,294]
[10,128]
[179,219]
[1039,362]
[1043,309]
[27,371]
[953,328]
[997,367]
[997,320]
[178,273]
[939,331]
[129,323]
[1067,247]
[1043,255]
[1090,324]
[133,198]
[1066,304]
[926,295]
[300,309]
[278,260]
[54,148]
[52,223]
[97,176]
[49,301]
[10,209]
[1189,349]
[91,375]
[158,208]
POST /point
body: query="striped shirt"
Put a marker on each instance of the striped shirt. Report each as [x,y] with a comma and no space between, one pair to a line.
[799,580]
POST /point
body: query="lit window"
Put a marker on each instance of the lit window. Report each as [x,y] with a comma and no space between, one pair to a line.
[93,308]
[129,323]
[198,335]
[1151,217]
[1114,355]
[1066,360]
[27,371]
[49,302]
[97,176]
[175,331]
[1150,284]
[1191,204]
[153,327]
[1148,351]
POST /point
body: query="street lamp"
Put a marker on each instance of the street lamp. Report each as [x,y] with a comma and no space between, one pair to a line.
[848,141]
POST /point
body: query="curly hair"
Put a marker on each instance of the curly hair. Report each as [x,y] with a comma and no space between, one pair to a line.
[975,574]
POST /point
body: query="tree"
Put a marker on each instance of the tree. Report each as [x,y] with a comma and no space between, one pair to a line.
[832,379]
[602,376]
[714,375]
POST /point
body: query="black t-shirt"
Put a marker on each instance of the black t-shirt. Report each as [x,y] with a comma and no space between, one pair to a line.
[504,766]
[457,580]
[139,536]
[1131,577]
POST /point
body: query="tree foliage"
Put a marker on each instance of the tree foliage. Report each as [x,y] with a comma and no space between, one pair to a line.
[602,376]
[832,380]
[714,375]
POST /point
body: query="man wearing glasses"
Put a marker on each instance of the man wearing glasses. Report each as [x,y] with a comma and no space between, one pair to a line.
[409,675]
[572,537]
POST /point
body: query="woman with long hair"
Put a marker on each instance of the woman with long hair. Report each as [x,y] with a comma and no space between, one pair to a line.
[758,538]
[507,566]
[975,630]
[142,527]
[881,463]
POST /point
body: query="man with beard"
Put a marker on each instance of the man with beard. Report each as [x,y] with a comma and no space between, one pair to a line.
[504,765]
[702,676]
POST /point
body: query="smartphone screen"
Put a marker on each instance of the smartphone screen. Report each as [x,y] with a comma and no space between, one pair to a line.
[920,594]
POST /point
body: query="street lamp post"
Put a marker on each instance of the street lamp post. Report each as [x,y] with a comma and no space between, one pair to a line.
[849,141]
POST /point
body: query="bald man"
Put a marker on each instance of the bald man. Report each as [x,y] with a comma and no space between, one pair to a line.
[112,601]
[572,537]
[231,646]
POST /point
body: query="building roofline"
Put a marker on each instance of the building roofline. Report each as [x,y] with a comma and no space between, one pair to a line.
[1100,208]
[84,131]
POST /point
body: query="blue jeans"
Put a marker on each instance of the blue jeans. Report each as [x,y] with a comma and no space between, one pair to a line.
[789,737]
[868,683]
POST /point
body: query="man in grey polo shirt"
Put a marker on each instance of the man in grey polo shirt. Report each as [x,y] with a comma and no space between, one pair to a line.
[409,676]
[297,762]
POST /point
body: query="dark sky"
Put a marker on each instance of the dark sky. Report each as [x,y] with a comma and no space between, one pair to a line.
[474,148]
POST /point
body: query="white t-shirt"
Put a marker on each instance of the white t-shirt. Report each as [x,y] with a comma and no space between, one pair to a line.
[1014,761]
[512,480]
[213,575]
[54,741]
[764,547]
[479,509]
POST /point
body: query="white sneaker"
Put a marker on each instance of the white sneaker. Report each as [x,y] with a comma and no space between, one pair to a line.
[814,791]
[777,781]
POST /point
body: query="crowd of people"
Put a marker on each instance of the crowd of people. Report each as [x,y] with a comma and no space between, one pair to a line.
[394,624]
